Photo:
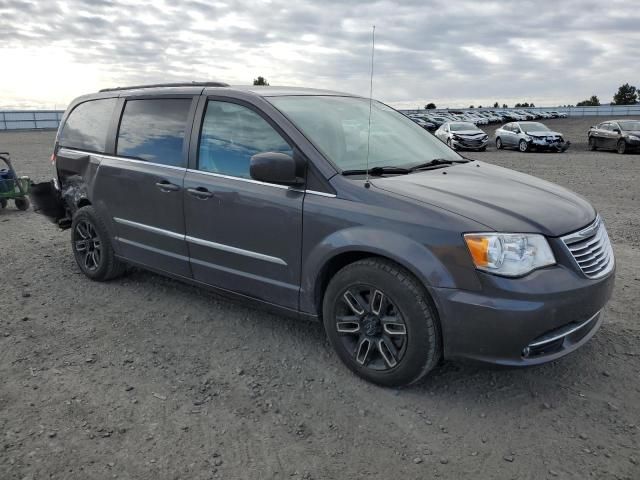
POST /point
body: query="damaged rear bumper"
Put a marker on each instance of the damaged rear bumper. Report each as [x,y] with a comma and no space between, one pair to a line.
[47,200]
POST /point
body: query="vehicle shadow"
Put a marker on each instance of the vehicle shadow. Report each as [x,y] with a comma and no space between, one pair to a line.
[570,376]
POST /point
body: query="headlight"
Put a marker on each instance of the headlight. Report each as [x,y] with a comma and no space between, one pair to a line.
[509,254]
[633,137]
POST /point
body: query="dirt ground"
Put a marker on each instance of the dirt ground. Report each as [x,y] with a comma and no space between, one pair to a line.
[147,378]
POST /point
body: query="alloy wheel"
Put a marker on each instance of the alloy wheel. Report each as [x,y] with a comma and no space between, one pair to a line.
[523,146]
[622,146]
[371,327]
[87,245]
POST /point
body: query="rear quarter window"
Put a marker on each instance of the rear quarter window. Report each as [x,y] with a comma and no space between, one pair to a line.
[153,130]
[87,125]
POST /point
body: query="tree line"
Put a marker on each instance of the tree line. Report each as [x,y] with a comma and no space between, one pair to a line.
[626,95]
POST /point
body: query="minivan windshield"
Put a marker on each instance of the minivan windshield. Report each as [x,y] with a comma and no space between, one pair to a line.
[338,127]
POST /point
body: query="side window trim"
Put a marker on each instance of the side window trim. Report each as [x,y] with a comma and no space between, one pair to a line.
[197,134]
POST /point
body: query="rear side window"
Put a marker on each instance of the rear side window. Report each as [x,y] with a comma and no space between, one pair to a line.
[231,135]
[153,130]
[87,125]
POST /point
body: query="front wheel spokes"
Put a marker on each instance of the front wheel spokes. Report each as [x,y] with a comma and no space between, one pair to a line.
[81,245]
[348,324]
[354,302]
[392,326]
[363,350]
[377,300]
[388,352]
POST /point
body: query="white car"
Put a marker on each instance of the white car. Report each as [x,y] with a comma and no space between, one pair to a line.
[460,135]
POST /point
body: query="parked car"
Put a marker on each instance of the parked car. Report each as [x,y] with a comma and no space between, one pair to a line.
[409,252]
[525,115]
[462,135]
[424,123]
[512,116]
[527,136]
[557,114]
[622,136]
[438,120]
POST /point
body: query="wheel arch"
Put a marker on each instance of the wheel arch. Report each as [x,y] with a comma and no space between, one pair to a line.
[342,249]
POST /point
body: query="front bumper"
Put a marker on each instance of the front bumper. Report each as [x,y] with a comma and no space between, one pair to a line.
[541,144]
[633,144]
[525,321]
[469,144]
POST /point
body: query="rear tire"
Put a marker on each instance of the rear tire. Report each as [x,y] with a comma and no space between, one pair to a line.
[621,148]
[380,320]
[3,203]
[499,144]
[22,203]
[592,144]
[92,248]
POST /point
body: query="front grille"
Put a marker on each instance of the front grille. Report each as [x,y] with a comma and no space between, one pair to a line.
[476,142]
[591,249]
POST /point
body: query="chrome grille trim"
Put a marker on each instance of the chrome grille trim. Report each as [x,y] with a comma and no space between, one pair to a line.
[591,249]
[562,332]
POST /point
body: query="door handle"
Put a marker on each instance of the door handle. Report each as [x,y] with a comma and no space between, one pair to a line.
[166,186]
[200,192]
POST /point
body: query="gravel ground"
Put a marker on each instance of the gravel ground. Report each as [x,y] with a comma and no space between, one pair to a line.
[144,377]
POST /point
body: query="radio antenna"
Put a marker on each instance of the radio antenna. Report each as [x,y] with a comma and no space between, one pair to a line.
[373,48]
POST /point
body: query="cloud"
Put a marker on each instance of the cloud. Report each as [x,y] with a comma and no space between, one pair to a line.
[453,53]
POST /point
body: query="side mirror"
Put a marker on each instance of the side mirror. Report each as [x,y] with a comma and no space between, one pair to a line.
[275,167]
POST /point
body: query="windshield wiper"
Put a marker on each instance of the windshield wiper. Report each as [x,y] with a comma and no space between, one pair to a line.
[435,163]
[378,171]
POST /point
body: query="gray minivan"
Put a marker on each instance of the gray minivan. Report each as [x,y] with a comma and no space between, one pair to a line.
[323,206]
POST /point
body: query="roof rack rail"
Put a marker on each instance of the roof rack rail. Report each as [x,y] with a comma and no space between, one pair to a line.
[179,84]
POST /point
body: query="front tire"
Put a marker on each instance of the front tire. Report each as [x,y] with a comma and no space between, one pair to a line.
[92,248]
[592,144]
[499,144]
[621,148]
[523,146]
[380,321]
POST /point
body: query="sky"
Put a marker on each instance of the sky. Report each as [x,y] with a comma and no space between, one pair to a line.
[451,52]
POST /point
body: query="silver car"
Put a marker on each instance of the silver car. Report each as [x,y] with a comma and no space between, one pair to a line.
[526,136]
[462,135]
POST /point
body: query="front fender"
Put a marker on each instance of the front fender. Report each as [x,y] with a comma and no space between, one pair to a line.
[412,255]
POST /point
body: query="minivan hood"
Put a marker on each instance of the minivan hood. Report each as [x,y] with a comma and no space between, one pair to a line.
[504,200]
